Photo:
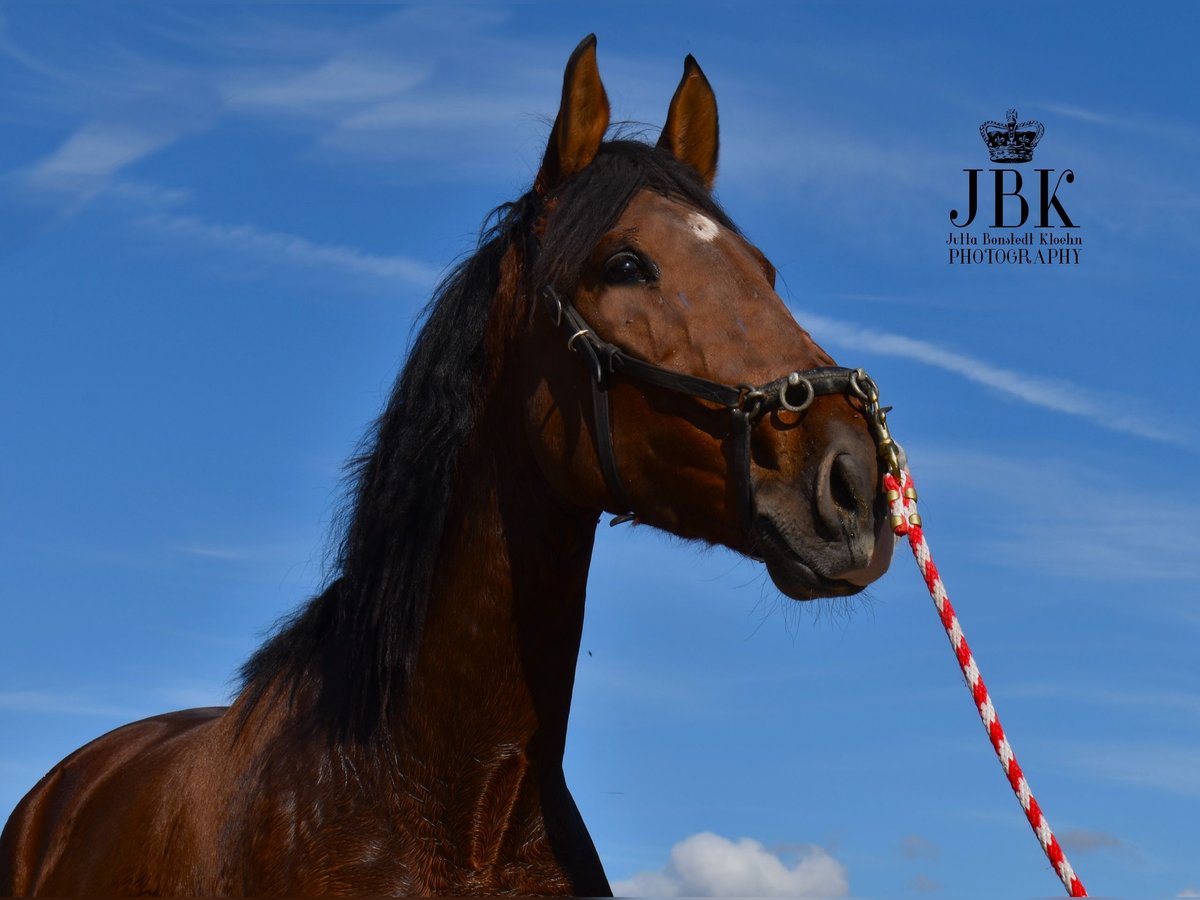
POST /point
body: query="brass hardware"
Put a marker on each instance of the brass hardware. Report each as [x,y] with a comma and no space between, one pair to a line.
[864,387]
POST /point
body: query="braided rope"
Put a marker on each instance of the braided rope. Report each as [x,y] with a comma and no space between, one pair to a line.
[902,502]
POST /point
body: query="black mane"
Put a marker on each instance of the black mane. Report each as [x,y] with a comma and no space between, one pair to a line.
[354,646]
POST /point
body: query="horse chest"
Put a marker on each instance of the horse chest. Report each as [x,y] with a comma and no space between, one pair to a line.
[405,834]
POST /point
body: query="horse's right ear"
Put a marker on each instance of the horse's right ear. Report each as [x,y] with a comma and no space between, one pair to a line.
[581,122]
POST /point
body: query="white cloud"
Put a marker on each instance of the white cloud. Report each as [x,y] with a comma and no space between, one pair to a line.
[708,865]
[418,84]
[1058,395]
[1189,892]
[341,83]
[1172,768]
[144,194]
[87,160]
[293,249]
[1050,517]
[1086,115]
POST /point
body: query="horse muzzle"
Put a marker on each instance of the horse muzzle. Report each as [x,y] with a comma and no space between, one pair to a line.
[827,536]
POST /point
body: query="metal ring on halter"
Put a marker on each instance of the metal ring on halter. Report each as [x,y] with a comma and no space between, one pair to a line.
[550,296]
[576,336]
[871,393]
[793,380]
[751,400]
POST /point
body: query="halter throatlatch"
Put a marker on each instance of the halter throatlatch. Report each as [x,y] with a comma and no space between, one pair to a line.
[746,403]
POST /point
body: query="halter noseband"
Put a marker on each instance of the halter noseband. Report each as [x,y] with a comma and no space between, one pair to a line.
[746,403]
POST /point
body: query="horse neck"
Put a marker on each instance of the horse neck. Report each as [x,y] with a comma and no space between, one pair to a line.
[496,665]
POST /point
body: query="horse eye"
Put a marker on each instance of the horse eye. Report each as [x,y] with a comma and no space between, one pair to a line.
[625,268]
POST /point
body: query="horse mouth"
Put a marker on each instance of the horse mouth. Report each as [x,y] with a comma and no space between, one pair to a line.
[789,572]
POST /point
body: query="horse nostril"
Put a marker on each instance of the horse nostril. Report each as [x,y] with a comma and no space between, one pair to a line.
[843,488]
[841,484]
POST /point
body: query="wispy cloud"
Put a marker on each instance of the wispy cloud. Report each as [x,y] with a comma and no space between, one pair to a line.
[220,554]
[1051,518]
[1058,395]
[245,553]
[413,86]
[50,703]
[709,865]
[1084,115]
[1170,768]
[331,88]
[1172,702]
[353,90]
[1135,122]
[294,250]
[183,557]
[147,700]
[142,195]
[381,88]
[923,884]
[915,846]
[1081,841]
[11,50]
[86,162]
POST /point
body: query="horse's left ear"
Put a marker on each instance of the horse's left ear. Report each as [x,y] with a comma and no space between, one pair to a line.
[581,122]
[690,134]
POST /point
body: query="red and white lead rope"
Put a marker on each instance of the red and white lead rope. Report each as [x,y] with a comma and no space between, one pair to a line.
[902,502]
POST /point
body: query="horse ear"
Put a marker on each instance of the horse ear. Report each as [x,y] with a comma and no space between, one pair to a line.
[690,134]
[581,122]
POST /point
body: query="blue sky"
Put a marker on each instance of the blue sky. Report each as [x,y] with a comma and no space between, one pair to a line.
[218,222]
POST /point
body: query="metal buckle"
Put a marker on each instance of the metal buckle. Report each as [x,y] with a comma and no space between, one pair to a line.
[576,336]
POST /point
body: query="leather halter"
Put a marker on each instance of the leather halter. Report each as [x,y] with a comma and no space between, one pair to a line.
[746,403]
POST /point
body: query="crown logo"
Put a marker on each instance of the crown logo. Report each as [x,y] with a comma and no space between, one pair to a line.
[1010,142]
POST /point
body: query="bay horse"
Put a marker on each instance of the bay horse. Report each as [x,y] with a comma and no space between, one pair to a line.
[614,344]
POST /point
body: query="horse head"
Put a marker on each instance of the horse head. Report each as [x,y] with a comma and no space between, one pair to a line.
[654,280]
